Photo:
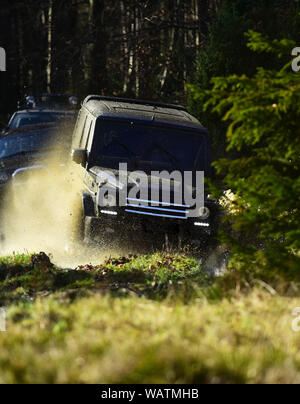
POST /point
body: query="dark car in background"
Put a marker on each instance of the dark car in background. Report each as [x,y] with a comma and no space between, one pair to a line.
[29,148]
[36,117]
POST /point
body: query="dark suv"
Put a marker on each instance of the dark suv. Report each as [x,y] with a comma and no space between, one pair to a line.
[146,139]
[29,148]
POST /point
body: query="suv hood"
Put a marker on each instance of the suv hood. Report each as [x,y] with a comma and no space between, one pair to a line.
[112,178]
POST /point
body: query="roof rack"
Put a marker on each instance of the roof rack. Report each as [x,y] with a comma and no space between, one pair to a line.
[134,101]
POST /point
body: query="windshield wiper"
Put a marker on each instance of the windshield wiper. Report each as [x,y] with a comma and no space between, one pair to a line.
[134,157]
[173,159]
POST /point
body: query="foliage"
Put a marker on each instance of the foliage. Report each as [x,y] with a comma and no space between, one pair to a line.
[225,52]
[262,112]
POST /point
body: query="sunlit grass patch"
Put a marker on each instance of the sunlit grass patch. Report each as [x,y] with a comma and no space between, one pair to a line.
[16,260]
[147,319]
[101,339]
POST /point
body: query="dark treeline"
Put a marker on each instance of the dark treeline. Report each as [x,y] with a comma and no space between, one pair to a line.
[146,49]
[135,48]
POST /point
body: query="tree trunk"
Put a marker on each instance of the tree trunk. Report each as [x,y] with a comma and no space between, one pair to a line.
[49,39]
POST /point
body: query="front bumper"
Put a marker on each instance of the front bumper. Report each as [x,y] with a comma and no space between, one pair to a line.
[120,221]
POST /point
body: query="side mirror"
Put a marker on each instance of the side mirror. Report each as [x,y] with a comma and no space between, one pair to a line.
[79,156]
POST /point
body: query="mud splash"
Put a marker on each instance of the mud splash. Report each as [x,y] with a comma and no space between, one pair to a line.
[41,208]
[36,214]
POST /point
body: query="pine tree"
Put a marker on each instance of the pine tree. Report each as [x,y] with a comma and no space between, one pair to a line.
[262,112]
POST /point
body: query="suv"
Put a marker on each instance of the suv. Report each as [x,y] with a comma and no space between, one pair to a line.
[147,139]
[29,148]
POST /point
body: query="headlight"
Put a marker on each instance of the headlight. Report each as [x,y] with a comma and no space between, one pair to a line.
[204,213]
[4,178]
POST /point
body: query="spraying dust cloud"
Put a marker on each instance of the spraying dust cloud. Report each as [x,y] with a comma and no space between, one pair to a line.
[41,209]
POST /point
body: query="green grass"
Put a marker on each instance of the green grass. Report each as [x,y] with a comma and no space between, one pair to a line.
[155,277]
[150,319]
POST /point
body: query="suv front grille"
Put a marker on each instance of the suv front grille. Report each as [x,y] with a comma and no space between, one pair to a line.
[160,209]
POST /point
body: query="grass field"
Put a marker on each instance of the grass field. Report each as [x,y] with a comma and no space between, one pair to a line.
[149,319]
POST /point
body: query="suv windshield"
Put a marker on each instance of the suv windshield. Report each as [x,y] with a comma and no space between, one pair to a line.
[33,118]
[28,143]
[148,146]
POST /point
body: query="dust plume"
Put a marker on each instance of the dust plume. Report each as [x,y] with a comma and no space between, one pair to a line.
[42,209]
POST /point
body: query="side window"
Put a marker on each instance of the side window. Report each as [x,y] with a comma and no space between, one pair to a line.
[90,135]
[83,132]
[79,129]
